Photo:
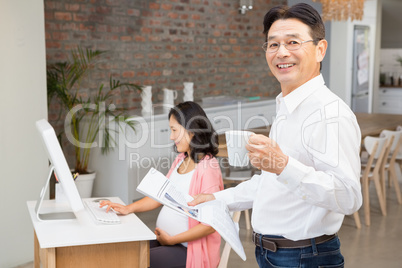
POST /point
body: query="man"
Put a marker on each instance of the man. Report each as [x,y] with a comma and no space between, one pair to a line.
[310,164]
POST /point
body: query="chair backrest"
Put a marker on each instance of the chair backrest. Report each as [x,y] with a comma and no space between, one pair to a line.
[238,174]
[376,148]
[396,141]
[373,150]
[399,150]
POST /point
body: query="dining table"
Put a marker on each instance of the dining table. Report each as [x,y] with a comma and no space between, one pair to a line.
[373,124]
[370,125]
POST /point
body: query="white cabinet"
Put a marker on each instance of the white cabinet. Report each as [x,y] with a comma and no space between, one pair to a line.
[390,101]
[254,117]
[243,115]
[149,146]
[222,120]
[119,172]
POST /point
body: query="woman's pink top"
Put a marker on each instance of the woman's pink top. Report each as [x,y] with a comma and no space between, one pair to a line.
[207,178]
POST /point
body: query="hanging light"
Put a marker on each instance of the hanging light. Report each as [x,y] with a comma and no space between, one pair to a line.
[245,5]
[342,9]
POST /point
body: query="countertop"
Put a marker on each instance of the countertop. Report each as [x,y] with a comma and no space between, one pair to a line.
[208,104]
[388,87]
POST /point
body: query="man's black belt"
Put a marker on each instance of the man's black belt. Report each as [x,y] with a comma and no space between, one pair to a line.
[272,244]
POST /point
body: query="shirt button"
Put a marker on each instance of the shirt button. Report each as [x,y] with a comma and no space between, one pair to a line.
[304,197]
[285,182]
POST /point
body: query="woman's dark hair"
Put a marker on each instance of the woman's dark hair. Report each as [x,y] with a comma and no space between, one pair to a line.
[193,118]
[303,12]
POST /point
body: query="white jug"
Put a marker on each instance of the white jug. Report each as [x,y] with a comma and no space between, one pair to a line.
[146,102]
[188,91]
[169,95]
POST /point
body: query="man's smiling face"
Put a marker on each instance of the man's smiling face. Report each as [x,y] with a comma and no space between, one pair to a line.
[296,67]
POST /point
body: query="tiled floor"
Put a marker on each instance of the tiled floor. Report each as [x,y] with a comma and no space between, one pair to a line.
[375,246]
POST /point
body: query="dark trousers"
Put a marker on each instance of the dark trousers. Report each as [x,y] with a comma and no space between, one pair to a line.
[326,254]
[167,256]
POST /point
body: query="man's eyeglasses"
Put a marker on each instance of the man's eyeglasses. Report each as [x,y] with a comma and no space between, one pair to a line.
[293,44]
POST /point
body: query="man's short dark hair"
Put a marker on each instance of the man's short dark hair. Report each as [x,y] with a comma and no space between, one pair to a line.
[303,12]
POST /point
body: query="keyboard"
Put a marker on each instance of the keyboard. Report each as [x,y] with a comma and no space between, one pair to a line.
[100,215]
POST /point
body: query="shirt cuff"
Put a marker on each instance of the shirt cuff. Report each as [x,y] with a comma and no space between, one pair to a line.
[224,195]
[293,174]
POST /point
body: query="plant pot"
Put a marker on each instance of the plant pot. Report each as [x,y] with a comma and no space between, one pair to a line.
[84,183]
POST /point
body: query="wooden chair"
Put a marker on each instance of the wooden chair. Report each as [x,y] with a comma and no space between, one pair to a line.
[376,148]
[389,164]
[234,176]
[223,263]
[398,159]
[357,220]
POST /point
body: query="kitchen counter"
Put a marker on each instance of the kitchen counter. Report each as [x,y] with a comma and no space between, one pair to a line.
[210,105]
[388,87]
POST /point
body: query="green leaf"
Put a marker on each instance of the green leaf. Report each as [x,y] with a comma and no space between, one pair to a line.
[64,85]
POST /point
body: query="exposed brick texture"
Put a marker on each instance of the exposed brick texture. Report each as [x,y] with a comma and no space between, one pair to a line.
[164,43]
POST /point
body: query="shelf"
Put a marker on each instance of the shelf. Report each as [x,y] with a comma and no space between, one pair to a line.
[387,87]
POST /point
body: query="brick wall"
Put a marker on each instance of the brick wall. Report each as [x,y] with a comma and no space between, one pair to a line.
[164,43]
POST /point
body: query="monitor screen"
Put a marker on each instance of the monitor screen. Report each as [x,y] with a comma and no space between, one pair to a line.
[59,164]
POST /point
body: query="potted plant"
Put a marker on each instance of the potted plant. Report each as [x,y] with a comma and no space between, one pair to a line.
[86,118]
[399,59]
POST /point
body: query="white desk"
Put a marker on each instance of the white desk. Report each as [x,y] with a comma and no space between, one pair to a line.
[70,243]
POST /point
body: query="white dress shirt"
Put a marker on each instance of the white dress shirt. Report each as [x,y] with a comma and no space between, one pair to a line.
[321,182]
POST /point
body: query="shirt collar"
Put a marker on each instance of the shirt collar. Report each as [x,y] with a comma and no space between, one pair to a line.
[297,96]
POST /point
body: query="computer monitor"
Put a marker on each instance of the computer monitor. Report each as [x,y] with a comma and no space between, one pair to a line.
[59,165]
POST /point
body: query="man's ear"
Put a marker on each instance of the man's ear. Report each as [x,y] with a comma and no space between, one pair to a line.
[321,49]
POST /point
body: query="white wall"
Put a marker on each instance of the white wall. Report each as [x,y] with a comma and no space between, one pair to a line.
[23,93]
[342,53]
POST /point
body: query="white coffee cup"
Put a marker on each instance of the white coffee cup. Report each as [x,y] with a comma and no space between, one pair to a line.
[236,141]
[169,95]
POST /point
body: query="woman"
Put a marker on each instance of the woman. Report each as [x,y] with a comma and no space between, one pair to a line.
[182,241]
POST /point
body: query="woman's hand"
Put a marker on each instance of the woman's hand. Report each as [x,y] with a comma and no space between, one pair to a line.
[115,206]
[163,238]
[194,233]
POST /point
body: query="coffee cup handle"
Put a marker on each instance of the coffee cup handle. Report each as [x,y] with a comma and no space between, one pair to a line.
[174,94]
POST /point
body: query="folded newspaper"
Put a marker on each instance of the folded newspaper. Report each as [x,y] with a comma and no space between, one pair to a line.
[214,213]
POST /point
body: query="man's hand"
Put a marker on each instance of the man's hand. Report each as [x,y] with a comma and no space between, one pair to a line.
[265,154]
[201,198]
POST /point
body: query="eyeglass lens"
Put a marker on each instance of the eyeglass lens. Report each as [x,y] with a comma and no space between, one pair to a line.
[293,44]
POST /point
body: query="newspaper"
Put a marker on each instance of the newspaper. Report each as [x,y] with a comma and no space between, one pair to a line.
[214,213]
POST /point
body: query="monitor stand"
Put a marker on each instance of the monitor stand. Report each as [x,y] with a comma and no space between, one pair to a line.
[52,215]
